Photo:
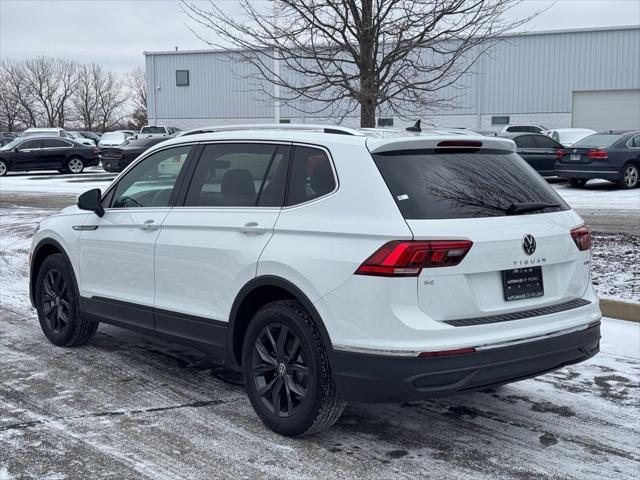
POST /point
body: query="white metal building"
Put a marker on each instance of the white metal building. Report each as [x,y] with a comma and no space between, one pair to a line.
[581,78]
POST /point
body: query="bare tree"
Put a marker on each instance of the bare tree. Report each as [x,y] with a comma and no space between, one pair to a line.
[10,109]
[50,82]
[338,56]
[137,82]
[85,98]
[15,82]
[111,99]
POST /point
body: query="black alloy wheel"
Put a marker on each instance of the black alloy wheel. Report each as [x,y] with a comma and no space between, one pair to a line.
[56,299]
[287,372]
[55,302]
[280,372]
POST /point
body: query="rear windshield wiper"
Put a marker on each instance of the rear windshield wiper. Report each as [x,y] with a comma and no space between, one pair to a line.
[526,207]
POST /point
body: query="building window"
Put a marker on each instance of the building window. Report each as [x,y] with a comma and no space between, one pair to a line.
[285,120]
[500,120]
[182,78]
[385,122]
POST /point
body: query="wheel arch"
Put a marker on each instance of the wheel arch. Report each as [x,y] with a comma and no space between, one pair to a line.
[44,248]
[256,293]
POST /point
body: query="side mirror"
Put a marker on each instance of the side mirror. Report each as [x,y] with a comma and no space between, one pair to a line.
[91,200]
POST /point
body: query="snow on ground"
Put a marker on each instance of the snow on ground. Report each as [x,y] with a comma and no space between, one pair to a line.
[53,182]
[129,406]
[599,194]
[615,266]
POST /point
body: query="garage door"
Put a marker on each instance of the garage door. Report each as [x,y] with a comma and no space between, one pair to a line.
[606,109]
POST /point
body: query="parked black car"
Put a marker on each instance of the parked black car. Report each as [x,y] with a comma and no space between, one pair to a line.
[537,150]
[116,159]
[46,153]
[612,155]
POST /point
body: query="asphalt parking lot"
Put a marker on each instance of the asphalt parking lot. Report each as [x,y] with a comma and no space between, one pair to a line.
[130,406]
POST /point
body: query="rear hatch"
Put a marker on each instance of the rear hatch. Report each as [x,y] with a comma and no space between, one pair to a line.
[519,252]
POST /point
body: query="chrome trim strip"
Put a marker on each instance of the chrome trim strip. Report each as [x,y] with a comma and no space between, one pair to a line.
[586,171]
[415,353]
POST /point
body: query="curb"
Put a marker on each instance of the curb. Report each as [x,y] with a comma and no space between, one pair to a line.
[620,310]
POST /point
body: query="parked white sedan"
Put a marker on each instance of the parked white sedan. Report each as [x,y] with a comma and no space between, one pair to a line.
[569,136]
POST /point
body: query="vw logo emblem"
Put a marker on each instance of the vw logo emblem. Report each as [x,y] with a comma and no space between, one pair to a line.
[529,244]
[282,369]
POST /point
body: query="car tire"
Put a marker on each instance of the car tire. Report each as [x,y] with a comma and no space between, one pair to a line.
[4,168]
[630,176]
[56,299]
[287,373]
[577,182]
[75,165]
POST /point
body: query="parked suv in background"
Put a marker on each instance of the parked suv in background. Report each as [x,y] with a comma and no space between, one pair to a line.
[45,132]
[522,128]
[157,131]
[329,267]
[612,155]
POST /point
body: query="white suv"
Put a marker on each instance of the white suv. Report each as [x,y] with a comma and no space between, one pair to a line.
[329,265]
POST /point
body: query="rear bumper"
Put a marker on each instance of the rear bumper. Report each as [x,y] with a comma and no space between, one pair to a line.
[92,162]
[379,379]
[587,172]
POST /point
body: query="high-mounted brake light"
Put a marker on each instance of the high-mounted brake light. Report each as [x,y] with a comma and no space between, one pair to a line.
[597,154]
[444,353]
[460,143]
[582,237]
[559,153]
[408,258]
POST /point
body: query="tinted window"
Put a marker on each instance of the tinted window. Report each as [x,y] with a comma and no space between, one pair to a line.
[311,175]
[545,142]
[599,140]
[428,184]
[53,143]
[238,175]
[150,183]
[635,141]
[153,130]
[525,141]
[523,128]
[31,144]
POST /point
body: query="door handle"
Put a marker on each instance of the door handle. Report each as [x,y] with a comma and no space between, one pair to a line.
[252,228]
[149,225]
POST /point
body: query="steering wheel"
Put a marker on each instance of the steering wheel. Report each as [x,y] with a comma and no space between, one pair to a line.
[161,198]
[124,201]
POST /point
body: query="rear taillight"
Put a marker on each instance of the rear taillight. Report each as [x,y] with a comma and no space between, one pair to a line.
[582,237]
[559,153]
[445,353]
[408,258]
[597,154]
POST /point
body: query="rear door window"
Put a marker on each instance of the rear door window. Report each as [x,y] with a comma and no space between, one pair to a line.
[525,141]
[431,184]
[311,175]
[545,142]
[239,175]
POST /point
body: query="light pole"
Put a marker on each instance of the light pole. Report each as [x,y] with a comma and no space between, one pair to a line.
[276,69]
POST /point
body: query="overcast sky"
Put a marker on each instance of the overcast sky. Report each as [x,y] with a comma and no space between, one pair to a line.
[114,33]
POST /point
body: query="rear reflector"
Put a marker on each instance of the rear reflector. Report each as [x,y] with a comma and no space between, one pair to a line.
[582,237]
[559,153]
[444,353]
[408,258]
[597,154]
[460,143]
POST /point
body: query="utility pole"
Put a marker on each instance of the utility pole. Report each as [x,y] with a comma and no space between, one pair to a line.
[276,70]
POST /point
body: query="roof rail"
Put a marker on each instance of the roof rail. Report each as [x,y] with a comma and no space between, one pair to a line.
[309,127]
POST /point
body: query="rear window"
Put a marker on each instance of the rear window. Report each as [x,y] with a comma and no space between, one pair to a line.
[153,130]
[599,140]
[430,184]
